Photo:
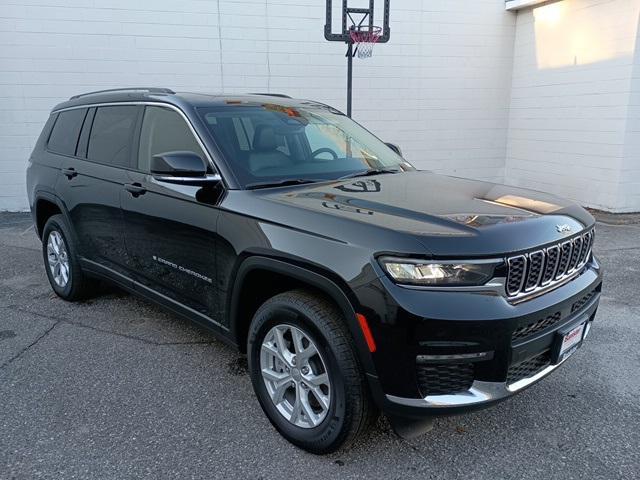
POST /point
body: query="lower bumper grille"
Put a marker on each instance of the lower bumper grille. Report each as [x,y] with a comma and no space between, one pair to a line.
[444,379]
[530,329]
[528,368]
[583,301]
[535,327]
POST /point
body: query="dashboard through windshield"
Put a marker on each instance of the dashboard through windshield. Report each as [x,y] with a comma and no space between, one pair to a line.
[269,144]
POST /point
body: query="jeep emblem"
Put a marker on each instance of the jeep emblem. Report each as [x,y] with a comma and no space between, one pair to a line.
[563,228]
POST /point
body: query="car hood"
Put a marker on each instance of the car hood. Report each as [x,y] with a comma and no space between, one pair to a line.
[449,216]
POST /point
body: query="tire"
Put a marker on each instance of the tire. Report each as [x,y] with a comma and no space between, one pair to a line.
[74,285]
[319,428]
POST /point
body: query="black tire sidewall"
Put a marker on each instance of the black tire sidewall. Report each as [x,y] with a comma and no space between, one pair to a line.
[330,431]
[56,223]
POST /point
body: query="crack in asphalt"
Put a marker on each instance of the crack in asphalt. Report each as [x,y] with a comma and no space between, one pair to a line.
[109,332]
[28,347]
[20,247]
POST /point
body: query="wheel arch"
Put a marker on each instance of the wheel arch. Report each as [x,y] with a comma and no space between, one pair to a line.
[45,206]
[292,276]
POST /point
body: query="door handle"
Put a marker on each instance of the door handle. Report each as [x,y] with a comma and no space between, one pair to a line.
[70,172]
[135,189]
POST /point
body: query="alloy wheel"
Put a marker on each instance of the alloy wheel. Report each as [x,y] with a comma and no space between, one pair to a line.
[58,259]
[295,376]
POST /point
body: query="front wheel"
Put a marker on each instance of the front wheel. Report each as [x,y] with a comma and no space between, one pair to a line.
[305,372]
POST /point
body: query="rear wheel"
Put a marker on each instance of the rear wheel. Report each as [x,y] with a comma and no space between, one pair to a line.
[61,262]
[305,372]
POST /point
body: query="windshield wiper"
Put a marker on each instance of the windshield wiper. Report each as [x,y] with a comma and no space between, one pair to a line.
[279,183]
[371,171]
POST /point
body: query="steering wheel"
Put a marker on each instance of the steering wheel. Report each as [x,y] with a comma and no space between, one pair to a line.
[317,152]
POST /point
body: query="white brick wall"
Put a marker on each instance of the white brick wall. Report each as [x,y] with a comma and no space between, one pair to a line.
[573,128]
[551,103]
[439,88]
[629,195]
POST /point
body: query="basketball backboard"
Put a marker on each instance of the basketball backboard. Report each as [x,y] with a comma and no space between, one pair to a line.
[344,16]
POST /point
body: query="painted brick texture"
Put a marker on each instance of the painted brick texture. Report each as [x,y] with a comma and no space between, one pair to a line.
[440,89]
[574,123]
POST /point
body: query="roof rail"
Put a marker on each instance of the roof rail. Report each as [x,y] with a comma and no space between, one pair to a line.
[281,95]
[147,89]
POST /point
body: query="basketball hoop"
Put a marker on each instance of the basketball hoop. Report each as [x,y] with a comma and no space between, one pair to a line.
[354,23]
[364,38]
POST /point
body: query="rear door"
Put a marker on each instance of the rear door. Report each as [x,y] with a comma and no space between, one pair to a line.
[170,229]
[91,183]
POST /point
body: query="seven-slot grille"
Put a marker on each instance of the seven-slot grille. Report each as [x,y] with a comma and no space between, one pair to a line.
[541,268]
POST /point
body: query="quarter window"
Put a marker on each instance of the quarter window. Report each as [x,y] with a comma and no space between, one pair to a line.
[164,130]
[64,136]
[111,135]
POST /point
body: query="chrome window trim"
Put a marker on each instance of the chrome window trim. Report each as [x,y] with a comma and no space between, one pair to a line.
[169,179]
[212,163]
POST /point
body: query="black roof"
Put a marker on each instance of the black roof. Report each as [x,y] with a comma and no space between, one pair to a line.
[165,95]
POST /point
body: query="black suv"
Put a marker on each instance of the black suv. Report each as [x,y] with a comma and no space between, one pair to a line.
[354,282]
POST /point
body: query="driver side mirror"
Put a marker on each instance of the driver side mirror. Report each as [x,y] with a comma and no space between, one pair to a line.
[394,147]
[186,168]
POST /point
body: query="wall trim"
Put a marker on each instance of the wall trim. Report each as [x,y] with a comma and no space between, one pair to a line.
[519,4]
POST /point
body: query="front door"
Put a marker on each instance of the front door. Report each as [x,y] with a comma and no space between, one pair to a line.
[170,230]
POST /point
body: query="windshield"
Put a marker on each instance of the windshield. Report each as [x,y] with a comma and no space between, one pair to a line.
[267,144]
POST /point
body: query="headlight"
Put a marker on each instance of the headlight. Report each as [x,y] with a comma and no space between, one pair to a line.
[439,273]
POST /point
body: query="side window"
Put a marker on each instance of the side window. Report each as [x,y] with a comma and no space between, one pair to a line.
[64,136]
[164,130]
[111,135]
[83,142]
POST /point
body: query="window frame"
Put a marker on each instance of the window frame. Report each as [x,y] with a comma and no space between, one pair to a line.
[132,137]
[209,159]
[138,139]
[83,138]
[53,126]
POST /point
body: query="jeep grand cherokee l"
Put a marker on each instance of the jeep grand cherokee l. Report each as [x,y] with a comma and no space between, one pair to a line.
[354,282]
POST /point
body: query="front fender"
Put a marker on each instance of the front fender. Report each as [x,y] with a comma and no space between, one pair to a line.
[311,278]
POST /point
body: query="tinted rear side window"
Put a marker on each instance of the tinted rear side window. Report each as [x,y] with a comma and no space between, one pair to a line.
[64,136]
[112,135]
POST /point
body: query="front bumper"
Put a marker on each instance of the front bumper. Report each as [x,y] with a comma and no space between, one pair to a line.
[515,339]
[480,394]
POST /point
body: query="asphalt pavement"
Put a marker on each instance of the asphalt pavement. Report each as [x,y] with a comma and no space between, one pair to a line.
[114,387]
